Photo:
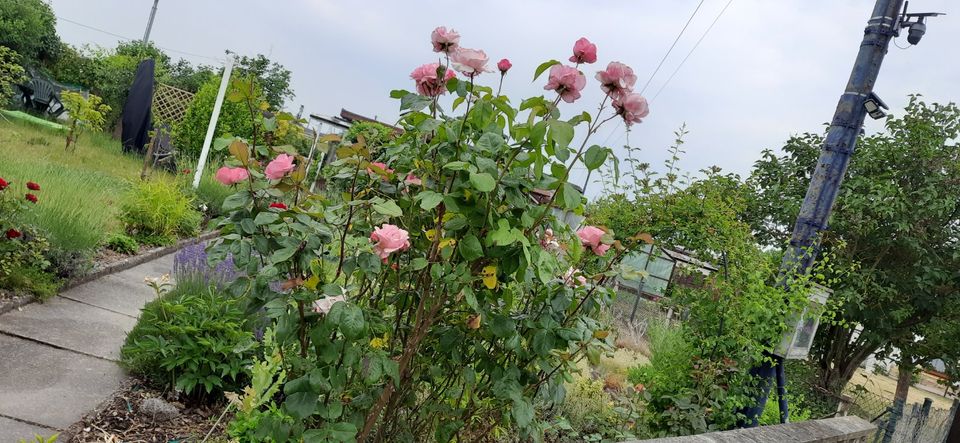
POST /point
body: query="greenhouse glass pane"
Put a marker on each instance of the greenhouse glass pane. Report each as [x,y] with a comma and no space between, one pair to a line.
[655,286]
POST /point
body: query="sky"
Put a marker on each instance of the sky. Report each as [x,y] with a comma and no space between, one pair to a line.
[767,69]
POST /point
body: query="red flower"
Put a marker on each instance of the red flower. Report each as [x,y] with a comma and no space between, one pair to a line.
[33,186]
[3,184]
[278,205]
[13,233]
[186,171]
[32,198]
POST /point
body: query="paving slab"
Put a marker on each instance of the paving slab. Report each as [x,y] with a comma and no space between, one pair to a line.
[49,386]
[13,431]
[152,268]
[69,324]
[113,292]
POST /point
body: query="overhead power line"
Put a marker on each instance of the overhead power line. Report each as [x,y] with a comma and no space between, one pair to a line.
[694,48]
[104,31]
[659,65]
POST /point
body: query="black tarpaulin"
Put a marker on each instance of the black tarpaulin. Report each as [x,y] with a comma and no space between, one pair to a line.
[136,111]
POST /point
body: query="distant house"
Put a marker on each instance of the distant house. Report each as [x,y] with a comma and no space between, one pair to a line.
[338,124]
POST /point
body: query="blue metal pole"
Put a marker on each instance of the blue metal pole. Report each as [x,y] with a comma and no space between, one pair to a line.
[837,148]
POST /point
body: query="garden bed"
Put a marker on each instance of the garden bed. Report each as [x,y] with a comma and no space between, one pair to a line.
[122,419]
[105,265]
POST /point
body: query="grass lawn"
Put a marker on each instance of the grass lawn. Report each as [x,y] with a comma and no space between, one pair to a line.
[80,190]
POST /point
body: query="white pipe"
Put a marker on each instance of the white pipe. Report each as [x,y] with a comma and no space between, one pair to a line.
[224,81]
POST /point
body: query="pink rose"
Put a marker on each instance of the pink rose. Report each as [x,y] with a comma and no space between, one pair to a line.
[324,305]
[567,81]
[633,107]
[584,51]
[444,41]
[380,165]
[470,62]
[230,176]
[389,239]
[590,236]
[617,80]
[279,167]
[504,66]
[413,180]
[428,83]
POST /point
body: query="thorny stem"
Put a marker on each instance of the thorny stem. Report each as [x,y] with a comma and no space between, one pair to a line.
[466,113]
[346,227]
[591,129]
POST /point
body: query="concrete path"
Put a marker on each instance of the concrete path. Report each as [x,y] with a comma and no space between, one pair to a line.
[58,360]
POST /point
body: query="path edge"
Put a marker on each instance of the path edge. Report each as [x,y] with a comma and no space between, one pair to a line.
[112,268]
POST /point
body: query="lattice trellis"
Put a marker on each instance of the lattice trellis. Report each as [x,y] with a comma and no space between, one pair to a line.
[170,103]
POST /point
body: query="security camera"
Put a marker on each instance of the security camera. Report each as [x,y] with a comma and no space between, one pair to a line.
[916,32]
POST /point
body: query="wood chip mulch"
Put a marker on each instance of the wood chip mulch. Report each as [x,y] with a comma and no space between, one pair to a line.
[119,420]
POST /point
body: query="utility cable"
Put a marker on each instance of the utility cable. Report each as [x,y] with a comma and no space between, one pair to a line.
[659,65]
[691,51]
[94,28]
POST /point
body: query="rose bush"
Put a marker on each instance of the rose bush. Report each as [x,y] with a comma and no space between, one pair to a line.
[23,251]
[420,304]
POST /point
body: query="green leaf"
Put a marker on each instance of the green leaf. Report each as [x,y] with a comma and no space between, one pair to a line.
[489,142]
[522,412]
[543,67]
[458,166]
[429,199]
[419,263]
[284,254]
[594,157]
[349,318]
[571,196]
[369,263]
[561,133]
[482,181]
[470,247]
[265,218]
[398,93]
[301,404]
[414,102]
[236,201]
[388,207]
[343,431]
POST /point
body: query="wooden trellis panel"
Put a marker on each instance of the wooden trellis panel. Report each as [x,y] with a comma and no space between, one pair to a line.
[170,103]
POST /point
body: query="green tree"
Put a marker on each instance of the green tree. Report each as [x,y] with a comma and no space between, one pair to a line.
[235,119]
[188,77]
[734,315]
[85,113]
[893,235]
[272,77]
[11,73]
[29,28]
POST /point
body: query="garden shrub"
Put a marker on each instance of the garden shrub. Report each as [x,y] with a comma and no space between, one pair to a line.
[23,261]
[434,300]
[374,134]
[157,212]
[123,244]
[234,120]
[193,339]
[85,111]
[589,411]
[11,73]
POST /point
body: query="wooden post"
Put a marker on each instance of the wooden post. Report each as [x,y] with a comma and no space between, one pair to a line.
[148,156]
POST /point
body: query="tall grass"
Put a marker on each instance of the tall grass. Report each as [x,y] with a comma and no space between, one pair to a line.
[80,191]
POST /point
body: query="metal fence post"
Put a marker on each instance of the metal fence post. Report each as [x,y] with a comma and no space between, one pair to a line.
[954,433]
[922,418]
[891,427]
